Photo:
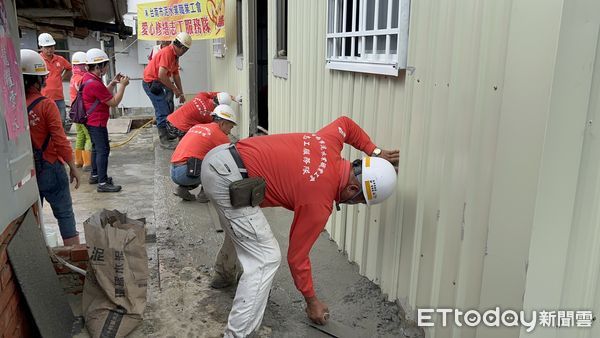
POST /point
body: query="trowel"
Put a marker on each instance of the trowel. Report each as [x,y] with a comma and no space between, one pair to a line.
[333,329]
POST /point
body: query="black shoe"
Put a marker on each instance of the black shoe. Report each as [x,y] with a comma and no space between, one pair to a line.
[163,136]
[184,193]
[94,180]
[108,187]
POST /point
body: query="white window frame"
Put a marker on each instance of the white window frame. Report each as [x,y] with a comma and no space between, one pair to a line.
[367,61]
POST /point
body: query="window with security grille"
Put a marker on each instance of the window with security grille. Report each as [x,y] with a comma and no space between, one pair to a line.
[369,36]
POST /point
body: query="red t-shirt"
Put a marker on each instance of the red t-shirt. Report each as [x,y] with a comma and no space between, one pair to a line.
[44,119]
[198,141]
[166,58]
[305,173]
[75,82]
[54,88]
[93,90]
[193,112]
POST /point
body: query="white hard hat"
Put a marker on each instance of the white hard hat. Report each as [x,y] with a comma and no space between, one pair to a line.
[378,179]
[46,40]
[95,55]
[185,39]
[224,98]
[225,112]
[32,63]
[79,58]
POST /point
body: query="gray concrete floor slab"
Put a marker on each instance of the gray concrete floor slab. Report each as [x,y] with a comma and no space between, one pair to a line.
[180,302]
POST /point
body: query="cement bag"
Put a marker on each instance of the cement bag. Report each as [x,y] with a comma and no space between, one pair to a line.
[114,293]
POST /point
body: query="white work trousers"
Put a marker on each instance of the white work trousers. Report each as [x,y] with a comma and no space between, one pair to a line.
[255,245]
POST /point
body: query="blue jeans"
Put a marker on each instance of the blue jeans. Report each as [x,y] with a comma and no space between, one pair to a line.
[53,185]
[180,177]
[100,152]
[163,104]
[62,108]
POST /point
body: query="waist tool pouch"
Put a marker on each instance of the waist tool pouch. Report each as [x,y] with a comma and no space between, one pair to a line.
[156,87]
[193,167]
[247,192]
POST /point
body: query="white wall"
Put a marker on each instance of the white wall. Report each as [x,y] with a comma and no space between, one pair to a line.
[127,63]
[195,69]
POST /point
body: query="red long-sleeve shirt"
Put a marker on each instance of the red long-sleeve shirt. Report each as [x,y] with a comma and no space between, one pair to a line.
[199,140]
[305,173]
[44,119]
[193,112]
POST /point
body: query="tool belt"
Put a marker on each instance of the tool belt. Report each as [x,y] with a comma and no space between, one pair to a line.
[249,191]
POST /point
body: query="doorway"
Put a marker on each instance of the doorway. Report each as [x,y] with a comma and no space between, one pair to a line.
[258,66]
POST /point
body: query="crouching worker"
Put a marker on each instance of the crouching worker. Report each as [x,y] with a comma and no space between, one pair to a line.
[51,148]
[196,111]
[303,172]
[200,139]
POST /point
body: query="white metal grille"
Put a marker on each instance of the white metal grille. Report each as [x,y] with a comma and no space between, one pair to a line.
[368,36]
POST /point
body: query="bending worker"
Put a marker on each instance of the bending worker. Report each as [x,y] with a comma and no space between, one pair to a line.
[304,172]
[197,111]
[201,138]
[159,87]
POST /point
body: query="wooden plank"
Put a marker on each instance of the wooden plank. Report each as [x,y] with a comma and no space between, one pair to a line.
[47,13]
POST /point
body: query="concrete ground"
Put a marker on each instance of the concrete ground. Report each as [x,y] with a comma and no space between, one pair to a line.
[183,240]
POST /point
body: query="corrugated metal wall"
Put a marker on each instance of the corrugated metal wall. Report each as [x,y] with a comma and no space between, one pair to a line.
[564,253]
[474,125]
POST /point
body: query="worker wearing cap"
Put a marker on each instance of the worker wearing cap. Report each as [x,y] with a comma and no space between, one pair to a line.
[304,172]
[162,81]
[198,141]
[48,139]
[60,70]
[196,111]
[97,98]
[83,144]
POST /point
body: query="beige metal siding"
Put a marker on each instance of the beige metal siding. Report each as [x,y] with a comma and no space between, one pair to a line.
[480,200]
[425,246]
[224,74]
[565,247]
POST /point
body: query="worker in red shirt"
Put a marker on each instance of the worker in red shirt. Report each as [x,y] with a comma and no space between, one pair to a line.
[60,70]
[97,98]
[196,111]
[304,172]
[51,147]
[83,143]
[162,81]
[190,151]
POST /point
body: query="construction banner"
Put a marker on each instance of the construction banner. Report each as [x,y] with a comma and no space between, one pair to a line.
[163,20]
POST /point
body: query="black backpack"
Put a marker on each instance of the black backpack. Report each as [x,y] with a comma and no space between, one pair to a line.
[78,114]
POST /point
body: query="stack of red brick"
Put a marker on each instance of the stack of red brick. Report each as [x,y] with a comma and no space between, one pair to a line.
[15,318]
[77,255]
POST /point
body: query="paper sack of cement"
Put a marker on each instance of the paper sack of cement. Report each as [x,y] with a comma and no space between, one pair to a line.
[114,293]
